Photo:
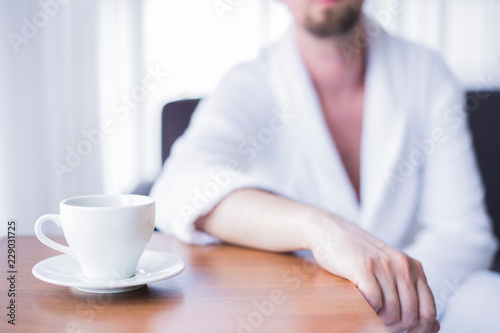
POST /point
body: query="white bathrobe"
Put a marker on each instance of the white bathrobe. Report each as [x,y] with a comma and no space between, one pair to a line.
[264,128]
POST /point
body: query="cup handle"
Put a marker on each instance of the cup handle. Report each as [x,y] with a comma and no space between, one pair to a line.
[44,239]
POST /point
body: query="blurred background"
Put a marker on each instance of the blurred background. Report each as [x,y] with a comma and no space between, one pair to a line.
[83,83]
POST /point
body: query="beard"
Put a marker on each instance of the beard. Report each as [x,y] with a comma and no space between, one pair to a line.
[333,21]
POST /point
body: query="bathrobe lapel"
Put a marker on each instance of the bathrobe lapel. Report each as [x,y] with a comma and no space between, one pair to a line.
[293,88]
[384,129]
[384,125]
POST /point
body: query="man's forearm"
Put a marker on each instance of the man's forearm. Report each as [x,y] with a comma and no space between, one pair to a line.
[262,220]
[392,283]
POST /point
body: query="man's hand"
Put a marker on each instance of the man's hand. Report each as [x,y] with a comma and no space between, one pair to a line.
[393,283]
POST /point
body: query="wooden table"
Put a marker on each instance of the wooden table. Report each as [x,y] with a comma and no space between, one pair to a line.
[223,289]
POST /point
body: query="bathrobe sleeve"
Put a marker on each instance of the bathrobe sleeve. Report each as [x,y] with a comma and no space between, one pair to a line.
[456,236]
[207,162]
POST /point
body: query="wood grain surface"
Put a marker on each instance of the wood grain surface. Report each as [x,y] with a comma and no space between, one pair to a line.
[223,289]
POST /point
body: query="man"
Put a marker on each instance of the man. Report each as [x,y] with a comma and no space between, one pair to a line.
[351,143]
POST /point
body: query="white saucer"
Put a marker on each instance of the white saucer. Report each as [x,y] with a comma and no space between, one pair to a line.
[65,271]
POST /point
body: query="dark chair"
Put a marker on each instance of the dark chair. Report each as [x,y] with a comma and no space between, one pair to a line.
[484,121]
[175,119]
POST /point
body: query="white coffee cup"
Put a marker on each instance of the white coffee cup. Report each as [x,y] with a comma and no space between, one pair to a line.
[107,234]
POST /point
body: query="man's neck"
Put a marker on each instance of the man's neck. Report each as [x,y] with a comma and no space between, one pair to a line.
[331,70]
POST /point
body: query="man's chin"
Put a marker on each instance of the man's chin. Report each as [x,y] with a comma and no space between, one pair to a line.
[331,21]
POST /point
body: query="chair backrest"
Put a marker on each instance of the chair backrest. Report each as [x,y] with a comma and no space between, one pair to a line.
[174,121]
[484,122]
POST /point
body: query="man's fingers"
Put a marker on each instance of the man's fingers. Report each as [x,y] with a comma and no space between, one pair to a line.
[390,313]
[409,301]
[427,310]
[370,289]
[435,327]
[407,272]
[427,307]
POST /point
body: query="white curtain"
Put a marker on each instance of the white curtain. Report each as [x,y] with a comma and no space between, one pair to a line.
[53,73]
[83,83]
[48,95]
[464,32]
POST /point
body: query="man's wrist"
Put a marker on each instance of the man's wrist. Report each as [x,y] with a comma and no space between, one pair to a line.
[319,224]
